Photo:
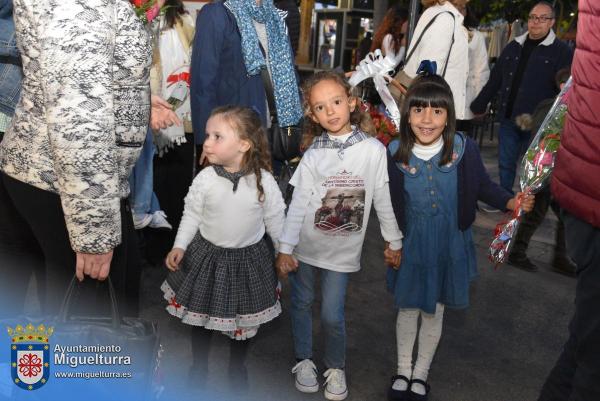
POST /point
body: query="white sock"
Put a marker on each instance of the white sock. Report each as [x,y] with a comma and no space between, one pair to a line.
[429,338]
[406,333]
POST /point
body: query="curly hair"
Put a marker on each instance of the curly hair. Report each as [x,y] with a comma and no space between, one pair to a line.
[392,24]
[358,117]
[246,123]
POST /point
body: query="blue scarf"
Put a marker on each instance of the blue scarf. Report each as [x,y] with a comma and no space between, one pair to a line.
[285,87]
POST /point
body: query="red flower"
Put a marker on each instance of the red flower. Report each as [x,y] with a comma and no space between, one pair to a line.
[152,12]
[543,159]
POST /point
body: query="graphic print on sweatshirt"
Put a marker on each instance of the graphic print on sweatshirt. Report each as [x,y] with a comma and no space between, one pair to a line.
[343,206]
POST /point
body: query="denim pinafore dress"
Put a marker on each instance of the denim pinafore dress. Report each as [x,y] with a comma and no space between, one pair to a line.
[438,259]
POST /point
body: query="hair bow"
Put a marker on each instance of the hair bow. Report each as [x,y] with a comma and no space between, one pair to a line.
[427,67]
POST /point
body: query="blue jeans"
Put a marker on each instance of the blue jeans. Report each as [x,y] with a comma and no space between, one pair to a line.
[333,294]
[142,198]
[512,144]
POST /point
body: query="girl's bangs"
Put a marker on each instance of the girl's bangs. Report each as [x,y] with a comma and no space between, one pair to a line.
[425,95]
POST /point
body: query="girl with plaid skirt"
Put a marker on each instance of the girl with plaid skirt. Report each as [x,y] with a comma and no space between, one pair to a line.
[222,271]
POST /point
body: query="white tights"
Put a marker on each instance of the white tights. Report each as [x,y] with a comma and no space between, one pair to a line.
[429,337]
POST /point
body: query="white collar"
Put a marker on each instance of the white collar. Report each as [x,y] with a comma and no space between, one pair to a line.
[546,42]
[426,152]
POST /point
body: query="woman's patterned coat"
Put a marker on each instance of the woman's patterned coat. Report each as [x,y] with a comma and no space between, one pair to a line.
[84,110]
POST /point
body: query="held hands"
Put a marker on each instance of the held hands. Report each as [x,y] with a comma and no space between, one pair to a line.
[97,266]
[392,258]
[527,202]
[174,258]
[162,115]
[285,264]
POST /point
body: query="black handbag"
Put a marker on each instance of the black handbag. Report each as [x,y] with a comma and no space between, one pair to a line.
[285,142]
[285,175]
[137,338]
[85,353]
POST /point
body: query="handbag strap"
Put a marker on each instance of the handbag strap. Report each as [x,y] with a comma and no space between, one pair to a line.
[264,74]
[412,50]
[269,91]
[70,295]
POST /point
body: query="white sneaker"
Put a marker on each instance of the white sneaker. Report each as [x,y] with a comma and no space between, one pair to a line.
[306,376]
[141,220]
[159,220]
[335,388]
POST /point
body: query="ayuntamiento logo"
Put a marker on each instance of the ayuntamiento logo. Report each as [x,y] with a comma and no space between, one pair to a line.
[30,355]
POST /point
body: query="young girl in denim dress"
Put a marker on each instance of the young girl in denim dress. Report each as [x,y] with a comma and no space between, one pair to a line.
[436,177]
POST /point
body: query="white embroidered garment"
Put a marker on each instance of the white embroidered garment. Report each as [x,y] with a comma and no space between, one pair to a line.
[175,68]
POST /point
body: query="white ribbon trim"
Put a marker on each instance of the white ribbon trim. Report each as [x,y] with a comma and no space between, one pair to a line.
[380,68]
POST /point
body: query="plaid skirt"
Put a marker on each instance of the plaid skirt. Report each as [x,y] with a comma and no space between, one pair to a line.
[225,289]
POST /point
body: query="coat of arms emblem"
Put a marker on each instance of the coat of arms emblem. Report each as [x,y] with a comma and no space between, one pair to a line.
[30,355]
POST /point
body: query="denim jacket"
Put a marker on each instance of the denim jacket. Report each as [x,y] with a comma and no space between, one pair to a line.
[10,61]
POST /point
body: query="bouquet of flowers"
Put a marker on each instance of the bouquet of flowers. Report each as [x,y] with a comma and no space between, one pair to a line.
[385,127]
[147,10]
[536,170]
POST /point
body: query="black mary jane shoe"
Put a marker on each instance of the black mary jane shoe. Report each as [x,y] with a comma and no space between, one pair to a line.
[398,395]
[412,396]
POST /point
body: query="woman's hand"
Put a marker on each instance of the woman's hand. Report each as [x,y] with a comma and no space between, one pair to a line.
[97,266]
[527,202]
[162,115]
[174,258]
[285,264]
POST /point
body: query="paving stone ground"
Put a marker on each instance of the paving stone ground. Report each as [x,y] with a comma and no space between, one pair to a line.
[499,349]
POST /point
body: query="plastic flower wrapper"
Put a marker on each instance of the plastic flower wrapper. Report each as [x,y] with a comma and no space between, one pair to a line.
[536,170]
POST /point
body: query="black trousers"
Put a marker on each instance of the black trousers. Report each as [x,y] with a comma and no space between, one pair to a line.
[173,175]
[532,220]
[576,375]
[37,221]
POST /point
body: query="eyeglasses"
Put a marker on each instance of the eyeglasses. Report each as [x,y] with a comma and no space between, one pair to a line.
[542,18]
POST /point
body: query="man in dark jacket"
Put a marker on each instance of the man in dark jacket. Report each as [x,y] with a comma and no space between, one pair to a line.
[523,76]
[576,187]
